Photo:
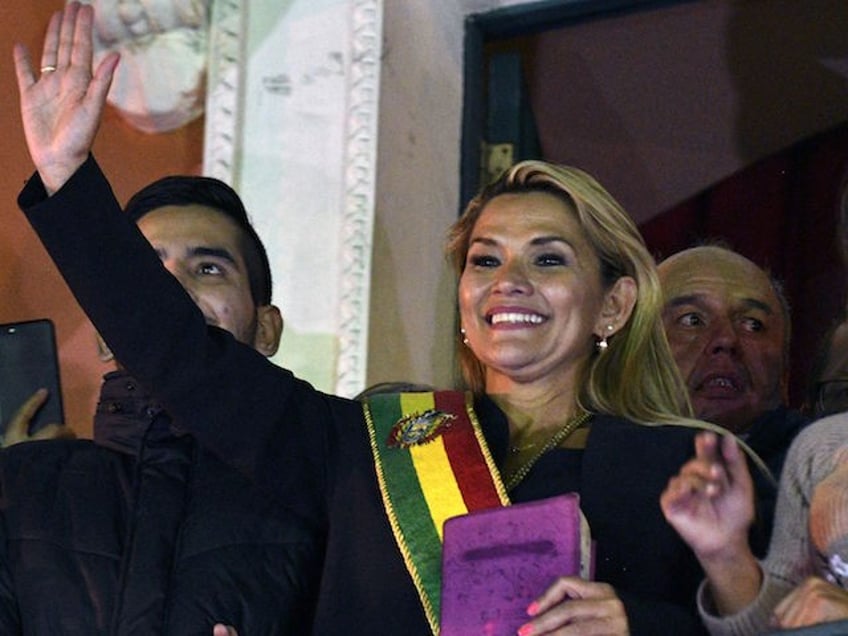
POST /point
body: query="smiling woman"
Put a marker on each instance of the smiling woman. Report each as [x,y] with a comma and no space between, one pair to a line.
[531,292]
[560,330]
[556,226]
[544,255]
[549,264]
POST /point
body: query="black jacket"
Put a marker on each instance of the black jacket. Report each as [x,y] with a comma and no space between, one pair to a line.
[770,437]
[312,451]
[142,532]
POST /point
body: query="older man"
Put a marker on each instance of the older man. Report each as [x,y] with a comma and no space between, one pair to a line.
[728,325]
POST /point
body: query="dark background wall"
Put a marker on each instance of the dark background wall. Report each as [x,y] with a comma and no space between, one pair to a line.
[30,286]
[720,120]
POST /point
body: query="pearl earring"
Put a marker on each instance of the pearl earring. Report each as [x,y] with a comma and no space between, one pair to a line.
[602,344]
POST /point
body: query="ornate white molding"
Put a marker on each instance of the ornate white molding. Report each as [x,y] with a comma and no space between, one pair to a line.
[359,187]
[224,146]
[225,89]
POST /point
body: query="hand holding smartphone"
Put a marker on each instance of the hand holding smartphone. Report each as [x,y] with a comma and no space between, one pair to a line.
[28,362]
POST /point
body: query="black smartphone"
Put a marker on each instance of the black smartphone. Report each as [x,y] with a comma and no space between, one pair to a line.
[28,362]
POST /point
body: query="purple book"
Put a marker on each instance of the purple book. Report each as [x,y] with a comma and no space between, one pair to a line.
[496,562]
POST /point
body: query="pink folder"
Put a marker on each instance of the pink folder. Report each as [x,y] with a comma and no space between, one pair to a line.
[496,562]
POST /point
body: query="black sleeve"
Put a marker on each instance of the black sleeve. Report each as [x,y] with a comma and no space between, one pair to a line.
[647,618]
[236,402]
[10,622]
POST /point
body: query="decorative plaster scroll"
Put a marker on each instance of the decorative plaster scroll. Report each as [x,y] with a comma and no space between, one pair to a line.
[159,84]
[225,89]
[359,186]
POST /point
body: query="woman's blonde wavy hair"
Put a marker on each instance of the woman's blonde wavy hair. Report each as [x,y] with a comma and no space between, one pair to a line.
[636,377]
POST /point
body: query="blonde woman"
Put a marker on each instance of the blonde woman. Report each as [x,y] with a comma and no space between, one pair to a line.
[573,388]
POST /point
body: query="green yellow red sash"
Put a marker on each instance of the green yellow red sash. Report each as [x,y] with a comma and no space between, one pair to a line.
[432,464]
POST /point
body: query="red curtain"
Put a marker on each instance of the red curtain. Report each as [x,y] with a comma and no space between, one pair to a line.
[782,213]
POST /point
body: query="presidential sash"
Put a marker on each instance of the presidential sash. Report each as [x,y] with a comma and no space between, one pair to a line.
[432,464]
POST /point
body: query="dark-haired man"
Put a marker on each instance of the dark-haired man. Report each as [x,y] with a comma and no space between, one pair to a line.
[140,530]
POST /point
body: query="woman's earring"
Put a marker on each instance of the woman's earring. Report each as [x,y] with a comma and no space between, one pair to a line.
[464,337]
[602,344]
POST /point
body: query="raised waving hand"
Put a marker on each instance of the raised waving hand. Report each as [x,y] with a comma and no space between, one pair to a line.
[62,101]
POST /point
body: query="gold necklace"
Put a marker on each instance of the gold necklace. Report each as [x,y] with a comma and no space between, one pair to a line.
[512,479]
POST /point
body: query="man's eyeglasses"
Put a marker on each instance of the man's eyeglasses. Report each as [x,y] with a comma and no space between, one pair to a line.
[831,396]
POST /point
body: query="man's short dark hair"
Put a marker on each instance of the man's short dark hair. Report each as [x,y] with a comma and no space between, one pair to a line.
[215,194]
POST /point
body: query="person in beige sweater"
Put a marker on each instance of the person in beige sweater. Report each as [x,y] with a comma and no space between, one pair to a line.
[803,579]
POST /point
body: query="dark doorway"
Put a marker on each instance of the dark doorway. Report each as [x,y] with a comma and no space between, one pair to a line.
[708,121]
